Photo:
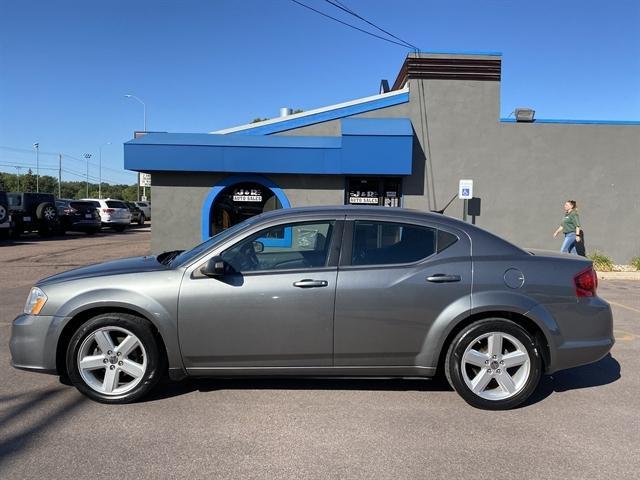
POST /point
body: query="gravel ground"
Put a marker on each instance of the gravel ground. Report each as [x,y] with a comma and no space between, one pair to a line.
[581,423]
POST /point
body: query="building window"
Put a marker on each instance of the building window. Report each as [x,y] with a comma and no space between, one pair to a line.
[384,192]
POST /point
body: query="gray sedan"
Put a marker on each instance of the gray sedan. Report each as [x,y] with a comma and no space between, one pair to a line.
[342,291]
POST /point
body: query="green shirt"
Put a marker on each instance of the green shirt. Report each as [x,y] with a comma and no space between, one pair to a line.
[570,222]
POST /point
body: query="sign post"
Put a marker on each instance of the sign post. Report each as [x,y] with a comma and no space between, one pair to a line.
[145,181]
[465,192]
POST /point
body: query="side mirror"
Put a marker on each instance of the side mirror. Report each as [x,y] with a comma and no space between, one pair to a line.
[215,267]
[258,247]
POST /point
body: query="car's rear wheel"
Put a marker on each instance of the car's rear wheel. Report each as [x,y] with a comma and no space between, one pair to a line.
[141,219]
[114,358]
[494,364]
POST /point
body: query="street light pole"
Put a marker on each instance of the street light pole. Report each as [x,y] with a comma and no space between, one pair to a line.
[37,147]
[100,168]
[144,110]
[87,156]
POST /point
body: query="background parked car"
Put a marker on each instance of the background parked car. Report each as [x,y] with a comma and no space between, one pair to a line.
[5,218]
[78,216]
[113,213]
[33,212]
[146,209]
[136,213]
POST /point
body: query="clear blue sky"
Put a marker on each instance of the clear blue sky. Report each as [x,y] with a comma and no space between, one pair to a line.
[202,65]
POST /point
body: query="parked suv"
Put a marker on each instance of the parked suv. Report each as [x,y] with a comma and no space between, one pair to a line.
[114,213]
[146,209]
[5,218]
[33,212]
[78,216]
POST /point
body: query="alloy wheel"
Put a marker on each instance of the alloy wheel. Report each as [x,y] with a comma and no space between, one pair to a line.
[495,366]
[112,361]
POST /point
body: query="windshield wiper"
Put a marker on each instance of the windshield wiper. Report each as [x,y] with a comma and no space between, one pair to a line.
[165,257]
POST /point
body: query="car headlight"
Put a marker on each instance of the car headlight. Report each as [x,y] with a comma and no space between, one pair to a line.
[35,301]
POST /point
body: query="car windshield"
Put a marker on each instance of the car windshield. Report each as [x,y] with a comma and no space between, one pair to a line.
[115,204]
[188,255]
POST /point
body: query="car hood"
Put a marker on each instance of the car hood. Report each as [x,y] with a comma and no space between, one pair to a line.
[115,267]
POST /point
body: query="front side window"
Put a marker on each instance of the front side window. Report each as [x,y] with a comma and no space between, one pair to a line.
[380,243]
[308,247]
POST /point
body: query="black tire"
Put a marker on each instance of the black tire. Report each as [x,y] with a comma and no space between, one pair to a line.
[46,212]
[155,361]
[141,219]
[4,212]
[454,365]
[119,228]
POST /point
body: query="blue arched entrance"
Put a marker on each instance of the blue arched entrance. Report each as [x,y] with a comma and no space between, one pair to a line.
[245,195]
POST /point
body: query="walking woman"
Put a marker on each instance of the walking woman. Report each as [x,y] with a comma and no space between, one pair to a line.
[570,227]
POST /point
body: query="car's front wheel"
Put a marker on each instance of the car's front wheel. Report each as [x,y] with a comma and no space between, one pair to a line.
[494,364]
[114,358]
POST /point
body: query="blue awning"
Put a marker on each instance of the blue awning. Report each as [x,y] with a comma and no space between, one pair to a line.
[367,146]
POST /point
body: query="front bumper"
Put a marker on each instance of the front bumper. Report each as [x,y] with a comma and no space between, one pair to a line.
[33,343]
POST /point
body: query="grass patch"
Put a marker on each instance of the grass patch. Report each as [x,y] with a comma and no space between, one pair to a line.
[601,262]
[635,263]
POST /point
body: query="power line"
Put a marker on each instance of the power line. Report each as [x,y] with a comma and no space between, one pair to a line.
[65,155]
[348,24]
[344,8]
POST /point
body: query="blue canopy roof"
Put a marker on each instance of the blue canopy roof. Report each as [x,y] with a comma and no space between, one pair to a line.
[367,146]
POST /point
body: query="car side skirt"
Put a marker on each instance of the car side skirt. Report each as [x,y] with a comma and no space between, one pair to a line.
[350,371]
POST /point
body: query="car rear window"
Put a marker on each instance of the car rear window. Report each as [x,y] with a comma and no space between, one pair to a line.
[115,204]
[386,243]
[82,205]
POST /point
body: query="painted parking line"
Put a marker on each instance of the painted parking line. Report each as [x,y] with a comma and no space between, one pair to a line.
[623,336]
[621,305]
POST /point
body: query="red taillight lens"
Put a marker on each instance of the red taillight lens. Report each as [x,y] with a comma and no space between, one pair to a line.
[70,210]
[586,283]
[108,210]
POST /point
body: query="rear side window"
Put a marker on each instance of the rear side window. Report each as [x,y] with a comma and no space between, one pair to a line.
[95,203]
[380,243]
[115,204]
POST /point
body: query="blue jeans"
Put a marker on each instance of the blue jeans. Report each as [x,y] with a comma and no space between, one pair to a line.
[569,244]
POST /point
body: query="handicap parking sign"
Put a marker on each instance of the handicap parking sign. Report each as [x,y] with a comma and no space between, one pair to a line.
[465,189]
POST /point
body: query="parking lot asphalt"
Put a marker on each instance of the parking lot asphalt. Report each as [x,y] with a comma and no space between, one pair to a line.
[581,423]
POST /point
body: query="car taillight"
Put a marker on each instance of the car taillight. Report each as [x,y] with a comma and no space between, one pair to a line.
[70,210]
[108,210]
[586,283]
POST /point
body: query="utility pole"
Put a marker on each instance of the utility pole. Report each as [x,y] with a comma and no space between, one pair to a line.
[59,174]
[87,156]
[18,170]
[37,147]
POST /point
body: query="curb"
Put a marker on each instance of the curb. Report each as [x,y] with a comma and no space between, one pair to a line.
[619,276]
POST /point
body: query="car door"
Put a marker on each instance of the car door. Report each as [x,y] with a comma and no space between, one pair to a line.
[395,279]
[275,306]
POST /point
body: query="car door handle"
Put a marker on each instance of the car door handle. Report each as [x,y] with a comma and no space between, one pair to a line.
[442,278]
[308,283]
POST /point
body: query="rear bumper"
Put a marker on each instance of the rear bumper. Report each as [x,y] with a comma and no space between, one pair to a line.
[33,343]
[578,333]
[84,225]
[116,221]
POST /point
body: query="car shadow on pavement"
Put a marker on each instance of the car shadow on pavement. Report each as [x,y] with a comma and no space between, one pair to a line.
[600,373]
[603,372]
[173,389]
